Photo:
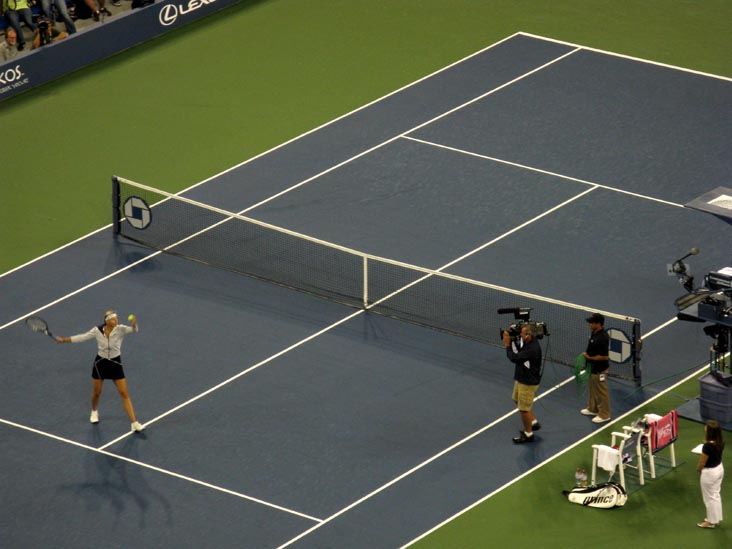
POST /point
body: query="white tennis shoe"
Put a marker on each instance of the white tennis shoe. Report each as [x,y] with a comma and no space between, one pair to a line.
[94,417]
[137,427]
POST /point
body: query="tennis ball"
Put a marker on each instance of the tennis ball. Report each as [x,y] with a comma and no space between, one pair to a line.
[131,318]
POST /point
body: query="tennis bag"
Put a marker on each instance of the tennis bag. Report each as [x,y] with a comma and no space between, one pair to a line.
[604,495]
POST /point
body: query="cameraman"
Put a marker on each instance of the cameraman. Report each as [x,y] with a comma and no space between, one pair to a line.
[525,353]
[45,33]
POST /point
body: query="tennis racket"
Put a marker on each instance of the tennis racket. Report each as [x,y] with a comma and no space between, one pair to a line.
[37,324]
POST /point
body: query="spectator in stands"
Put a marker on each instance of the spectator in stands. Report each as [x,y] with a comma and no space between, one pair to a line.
[711,473]
[14,11]
[84,9]
[100,12]
[46,34]
[63,13]
[9,46]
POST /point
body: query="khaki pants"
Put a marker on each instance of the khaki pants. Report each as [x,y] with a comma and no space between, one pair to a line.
[523,395]
[599,401]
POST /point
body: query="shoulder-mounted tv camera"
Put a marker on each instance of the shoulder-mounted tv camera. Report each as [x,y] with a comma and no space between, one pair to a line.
[522,315]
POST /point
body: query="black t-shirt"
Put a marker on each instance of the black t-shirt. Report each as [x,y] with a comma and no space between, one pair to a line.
[713,453]
[598,345]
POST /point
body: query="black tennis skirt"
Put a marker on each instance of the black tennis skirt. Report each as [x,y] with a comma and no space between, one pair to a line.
[105,368]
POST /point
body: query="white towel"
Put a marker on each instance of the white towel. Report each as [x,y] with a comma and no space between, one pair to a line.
[607,458]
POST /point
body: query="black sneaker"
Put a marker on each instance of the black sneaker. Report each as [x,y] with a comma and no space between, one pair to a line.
[105,11]
[523,438]
[96,16]
[116,2]
[535,426]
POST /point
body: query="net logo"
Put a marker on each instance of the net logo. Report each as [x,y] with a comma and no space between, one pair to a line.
[170,12]
[137,212]
[620,346]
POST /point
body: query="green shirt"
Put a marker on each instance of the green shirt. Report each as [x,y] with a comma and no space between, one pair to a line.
[15,5]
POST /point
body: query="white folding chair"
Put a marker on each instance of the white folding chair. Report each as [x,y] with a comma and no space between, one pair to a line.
[651,435]
[610,457]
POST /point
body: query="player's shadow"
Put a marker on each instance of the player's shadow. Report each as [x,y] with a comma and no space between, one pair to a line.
[116,485]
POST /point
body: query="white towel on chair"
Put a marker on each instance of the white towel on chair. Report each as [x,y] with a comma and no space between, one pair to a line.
[607,458]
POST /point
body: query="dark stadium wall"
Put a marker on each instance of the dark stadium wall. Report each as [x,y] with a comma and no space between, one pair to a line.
[100,42]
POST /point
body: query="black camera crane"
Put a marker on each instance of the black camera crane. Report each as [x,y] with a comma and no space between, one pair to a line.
[711,303]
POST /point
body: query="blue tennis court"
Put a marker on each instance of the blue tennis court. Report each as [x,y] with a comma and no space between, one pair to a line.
[276,418]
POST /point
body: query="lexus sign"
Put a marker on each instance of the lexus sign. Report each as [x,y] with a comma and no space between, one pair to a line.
[170,12]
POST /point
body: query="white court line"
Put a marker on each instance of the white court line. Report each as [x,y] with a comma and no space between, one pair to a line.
[52,251]
[623,56]
[539,170]
[159,470]
[79,290]
[661,327]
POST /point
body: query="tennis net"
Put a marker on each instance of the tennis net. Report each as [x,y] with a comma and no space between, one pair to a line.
[453,304]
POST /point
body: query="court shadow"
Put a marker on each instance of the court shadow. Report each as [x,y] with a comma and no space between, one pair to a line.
[117,486]
[124,253]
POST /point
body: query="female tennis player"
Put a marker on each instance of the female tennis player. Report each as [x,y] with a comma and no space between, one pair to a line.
[108,362]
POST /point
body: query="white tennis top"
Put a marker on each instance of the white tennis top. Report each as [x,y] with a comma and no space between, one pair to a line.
[108,347]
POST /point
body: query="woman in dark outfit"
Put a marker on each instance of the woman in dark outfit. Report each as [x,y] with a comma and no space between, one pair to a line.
[711,473]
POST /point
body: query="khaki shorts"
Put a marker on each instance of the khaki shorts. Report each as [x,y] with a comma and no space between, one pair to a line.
[523,395]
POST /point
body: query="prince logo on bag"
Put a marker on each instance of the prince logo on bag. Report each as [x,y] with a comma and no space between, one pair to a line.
[602,496]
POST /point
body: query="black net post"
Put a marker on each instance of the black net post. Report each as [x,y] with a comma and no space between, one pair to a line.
[637,351]
[115,205]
